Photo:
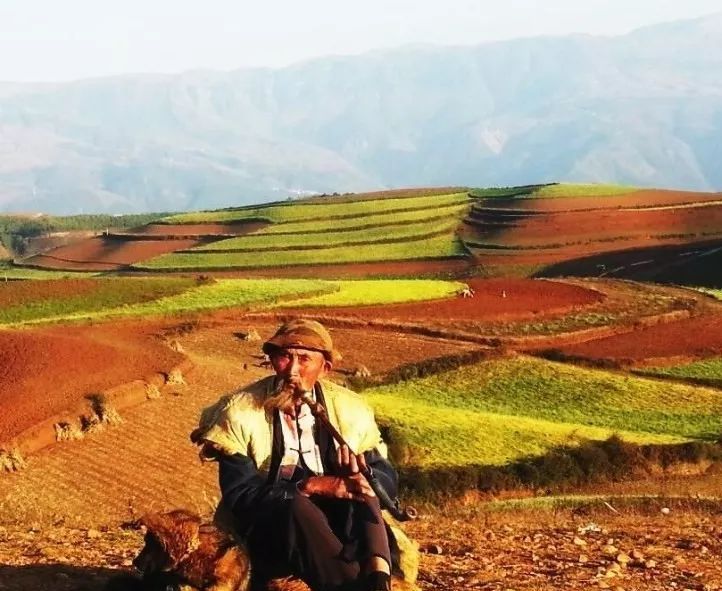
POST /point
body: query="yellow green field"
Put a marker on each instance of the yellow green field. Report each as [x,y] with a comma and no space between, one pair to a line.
[381,234]
[293,212]
[499,411]
[436,247]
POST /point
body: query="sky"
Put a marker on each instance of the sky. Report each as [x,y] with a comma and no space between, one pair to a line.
[54,40]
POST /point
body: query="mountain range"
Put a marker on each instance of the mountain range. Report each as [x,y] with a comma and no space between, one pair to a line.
[643,108]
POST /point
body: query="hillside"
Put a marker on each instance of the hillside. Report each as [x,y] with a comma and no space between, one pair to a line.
[549,230]
[639,109]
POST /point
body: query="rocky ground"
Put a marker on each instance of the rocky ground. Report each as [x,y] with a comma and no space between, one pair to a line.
[461,549]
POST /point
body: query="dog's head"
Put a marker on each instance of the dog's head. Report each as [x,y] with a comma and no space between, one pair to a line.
[169,539]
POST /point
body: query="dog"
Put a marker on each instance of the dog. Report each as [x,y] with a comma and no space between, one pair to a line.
[181,552]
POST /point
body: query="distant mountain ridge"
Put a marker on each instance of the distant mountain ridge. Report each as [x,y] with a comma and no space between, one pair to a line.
[643,109]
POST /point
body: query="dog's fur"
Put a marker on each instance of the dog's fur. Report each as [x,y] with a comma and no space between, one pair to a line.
[195,555]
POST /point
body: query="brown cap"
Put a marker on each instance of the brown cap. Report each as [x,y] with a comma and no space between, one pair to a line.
[304,334]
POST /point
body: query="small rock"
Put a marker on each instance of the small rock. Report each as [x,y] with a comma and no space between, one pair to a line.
[579,542]
[489,535]
[650,563]
[610,550]
[176,346]
[637,555]
[250,335]
[433,549]
[93,534]
[665,511]
[175,378]
[127,562]
[623,558]
[583,558]
[361,371]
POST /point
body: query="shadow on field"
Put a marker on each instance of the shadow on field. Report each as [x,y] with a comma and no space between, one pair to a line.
[564,468]
[682,264]
[60,577]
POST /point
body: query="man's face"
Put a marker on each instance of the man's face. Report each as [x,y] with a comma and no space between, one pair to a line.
[301,367]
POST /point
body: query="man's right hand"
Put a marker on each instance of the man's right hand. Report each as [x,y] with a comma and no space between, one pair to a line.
[354,487]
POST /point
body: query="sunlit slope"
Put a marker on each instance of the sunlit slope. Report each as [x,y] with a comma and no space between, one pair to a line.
[499,411]
[328,232]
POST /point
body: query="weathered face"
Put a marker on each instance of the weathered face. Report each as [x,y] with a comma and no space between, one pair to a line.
[300,367]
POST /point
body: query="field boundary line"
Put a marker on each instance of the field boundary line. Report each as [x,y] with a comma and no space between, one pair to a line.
[521,344]
[319,246]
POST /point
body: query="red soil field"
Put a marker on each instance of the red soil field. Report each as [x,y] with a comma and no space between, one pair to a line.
[561,228]
[612,253]
[493,299]
[24,292]
[692,338]
[44,371]
[237,229]
[105,254]
[642,198]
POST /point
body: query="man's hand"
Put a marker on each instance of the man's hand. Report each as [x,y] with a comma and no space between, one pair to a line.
[350,463]
[352,485]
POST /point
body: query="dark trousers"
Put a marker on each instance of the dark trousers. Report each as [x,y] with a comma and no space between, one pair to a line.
[326,542]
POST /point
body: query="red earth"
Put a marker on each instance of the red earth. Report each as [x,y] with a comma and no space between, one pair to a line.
[106,254]
[44,371]
[613,253]
[235,229]
[591,226]
[496,299]
[23,292]
[692,338]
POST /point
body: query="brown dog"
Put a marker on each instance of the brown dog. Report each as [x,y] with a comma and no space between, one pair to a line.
[195,555]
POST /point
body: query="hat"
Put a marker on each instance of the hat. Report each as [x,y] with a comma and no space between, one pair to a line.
[304,334]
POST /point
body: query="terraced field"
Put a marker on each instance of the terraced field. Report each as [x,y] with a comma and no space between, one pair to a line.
[298,211]
[524,406]
[590,230]
[383,234]
[442,246]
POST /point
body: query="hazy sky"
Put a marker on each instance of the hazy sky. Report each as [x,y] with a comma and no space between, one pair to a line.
[66,39]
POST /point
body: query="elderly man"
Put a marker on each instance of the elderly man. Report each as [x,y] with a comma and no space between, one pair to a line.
[295,495]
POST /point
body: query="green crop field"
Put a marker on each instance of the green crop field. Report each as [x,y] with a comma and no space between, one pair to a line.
[376,292]
[125,297]
[321,240]
[293,212]
[371,220]
[583,190]
[158,296]
[555,190]
[498,411]
[436,247]
[106,294]
[706,370]
[10,272]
